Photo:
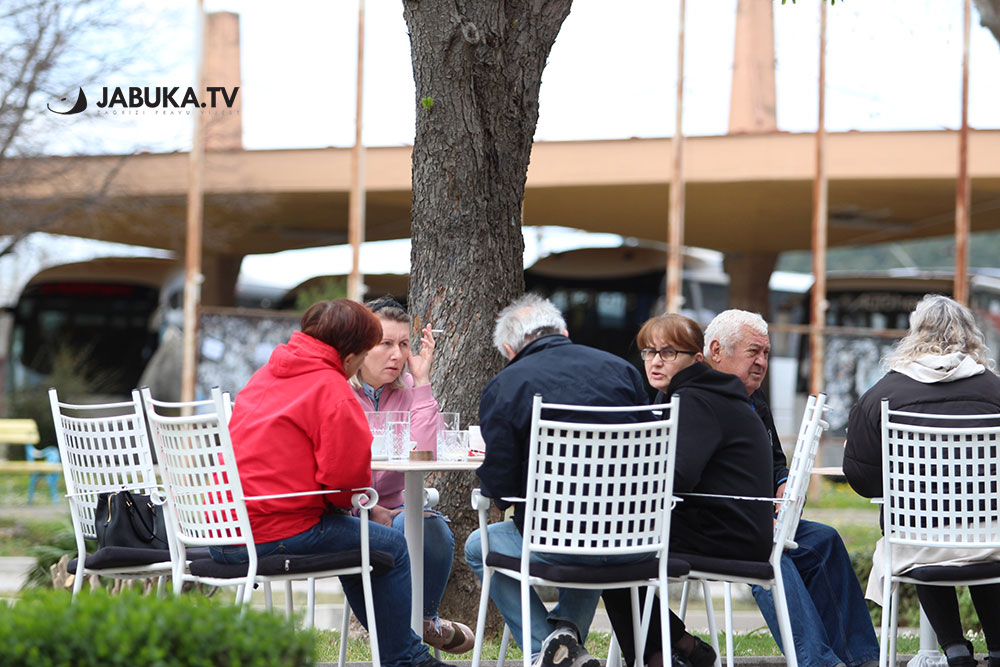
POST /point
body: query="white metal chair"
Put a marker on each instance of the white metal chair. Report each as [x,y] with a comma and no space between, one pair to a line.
[104,448]
[209,509]
[593,490]
[941,488]
[765,574]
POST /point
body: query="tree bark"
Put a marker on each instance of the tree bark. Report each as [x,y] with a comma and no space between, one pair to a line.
[989,15]
[477,68]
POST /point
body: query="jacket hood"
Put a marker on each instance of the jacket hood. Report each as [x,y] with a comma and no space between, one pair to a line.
[702,376]
[543,343]
[304,354]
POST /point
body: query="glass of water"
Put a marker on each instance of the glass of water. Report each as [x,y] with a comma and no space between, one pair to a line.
[377,424]
[397,436]
[453,445]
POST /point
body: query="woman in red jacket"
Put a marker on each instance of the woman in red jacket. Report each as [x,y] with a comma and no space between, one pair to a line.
[297,426]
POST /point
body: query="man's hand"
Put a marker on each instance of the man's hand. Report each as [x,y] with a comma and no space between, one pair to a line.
[383,515]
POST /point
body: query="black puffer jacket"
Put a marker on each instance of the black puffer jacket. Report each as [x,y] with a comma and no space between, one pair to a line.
[562,372]
[722,448]
[978,394]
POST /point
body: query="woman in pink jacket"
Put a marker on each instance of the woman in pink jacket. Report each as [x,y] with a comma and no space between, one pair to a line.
[381,384]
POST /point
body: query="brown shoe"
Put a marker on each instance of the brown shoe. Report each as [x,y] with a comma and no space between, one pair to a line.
[449,636]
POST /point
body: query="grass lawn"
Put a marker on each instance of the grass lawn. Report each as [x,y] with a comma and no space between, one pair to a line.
[756,643]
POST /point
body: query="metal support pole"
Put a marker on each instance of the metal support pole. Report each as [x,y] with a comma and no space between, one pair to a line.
[193,277]
[356,212]
[675,230]
[963,186]
[817,318]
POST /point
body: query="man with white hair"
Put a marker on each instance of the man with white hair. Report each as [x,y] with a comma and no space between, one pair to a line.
[532,335]
[830,620]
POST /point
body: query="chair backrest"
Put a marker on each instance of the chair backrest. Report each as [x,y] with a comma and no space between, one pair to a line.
[600,488]
[104,447]
[199,472]
[799,471]
[941,479]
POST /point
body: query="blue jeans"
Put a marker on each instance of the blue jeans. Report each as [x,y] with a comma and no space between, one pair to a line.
[576,605]
[397,643]
[830,620]
[439,551]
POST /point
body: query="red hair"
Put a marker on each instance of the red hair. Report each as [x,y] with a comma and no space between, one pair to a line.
[343,324]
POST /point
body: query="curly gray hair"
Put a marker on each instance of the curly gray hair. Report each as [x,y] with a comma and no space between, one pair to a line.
[940,325]
[727,328]
[527,318]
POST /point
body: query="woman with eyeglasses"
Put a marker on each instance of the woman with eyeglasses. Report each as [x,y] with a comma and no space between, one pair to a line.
[382,384]
[722,449]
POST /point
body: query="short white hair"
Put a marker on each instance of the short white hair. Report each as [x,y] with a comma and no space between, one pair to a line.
[524,320]
[727,328]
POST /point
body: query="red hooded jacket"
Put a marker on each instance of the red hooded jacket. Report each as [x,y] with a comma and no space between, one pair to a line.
[297,426]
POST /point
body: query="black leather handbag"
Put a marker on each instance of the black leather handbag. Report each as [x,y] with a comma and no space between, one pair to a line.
[126,519]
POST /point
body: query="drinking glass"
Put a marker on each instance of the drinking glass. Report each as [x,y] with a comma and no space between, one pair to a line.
[397,435]
[377,424]
[453,445]
[449,421]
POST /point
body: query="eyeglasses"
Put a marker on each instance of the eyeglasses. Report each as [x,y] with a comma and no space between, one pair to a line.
[666,354]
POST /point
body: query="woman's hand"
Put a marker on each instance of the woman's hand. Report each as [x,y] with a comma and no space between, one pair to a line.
[383,515]
[420,364]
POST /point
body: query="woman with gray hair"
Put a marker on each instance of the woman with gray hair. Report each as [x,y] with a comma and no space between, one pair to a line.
[940,367]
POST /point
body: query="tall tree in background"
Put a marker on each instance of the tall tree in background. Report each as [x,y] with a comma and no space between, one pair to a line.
[478,69]
[49,51]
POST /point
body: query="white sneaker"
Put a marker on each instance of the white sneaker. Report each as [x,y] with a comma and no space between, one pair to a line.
[563,649]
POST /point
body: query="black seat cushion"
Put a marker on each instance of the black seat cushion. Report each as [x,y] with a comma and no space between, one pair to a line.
[595,574]
[112,557]
[729,567]
[275,564]
[968,572]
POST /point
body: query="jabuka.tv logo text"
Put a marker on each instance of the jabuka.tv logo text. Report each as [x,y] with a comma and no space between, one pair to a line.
[162,99]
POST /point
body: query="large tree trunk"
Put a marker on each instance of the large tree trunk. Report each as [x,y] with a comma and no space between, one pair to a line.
[477,67]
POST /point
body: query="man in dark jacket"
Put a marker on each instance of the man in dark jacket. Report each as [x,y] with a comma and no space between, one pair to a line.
[532,334]
[830,620]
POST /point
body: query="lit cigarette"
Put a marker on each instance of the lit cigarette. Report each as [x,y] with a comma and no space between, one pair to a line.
[437,331]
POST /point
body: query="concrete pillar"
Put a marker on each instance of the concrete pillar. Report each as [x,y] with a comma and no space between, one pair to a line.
[221,272]
[223,126]
[752,106]
[749,275]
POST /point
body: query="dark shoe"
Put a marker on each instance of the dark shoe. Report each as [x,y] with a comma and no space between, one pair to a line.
[431,661]
[960,654]
[677,661]
[563,649]
[702,655]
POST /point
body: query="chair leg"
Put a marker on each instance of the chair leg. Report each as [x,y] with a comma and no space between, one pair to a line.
[728,602]
[288,599]
[638,636]
[267,596]
[893,629]
[614,653]
[713,630]
[526,622]
[784,620]
[311,603]
[484,601]
[666,639]
[883,651]
[345,626]
[682,611]
[504,645]
[366,584]
[161,585]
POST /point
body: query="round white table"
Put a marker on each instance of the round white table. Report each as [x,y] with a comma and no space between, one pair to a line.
[413,521]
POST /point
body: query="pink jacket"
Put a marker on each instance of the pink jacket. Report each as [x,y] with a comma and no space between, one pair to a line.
[423,409]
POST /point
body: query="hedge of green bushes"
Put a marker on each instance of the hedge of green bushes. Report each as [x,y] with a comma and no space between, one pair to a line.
[45,627]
